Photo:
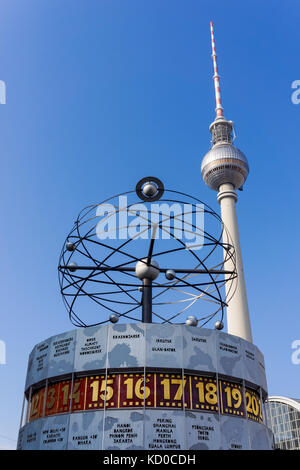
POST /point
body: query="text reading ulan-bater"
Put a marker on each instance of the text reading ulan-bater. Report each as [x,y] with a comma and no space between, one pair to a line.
[151,459]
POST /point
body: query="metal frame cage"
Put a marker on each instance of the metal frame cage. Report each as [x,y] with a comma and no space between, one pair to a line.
[98,269]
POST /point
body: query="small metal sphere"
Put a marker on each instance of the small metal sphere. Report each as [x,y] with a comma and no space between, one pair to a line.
[170,274]
[72,266]
[149,189]
[219,325]
[143,271]
[70,246]
[114,318]
[191,321]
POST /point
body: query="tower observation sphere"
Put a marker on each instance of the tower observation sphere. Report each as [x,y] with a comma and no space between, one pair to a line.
[223,164]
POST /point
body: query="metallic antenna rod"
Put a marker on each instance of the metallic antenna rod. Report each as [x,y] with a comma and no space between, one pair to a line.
[219,109]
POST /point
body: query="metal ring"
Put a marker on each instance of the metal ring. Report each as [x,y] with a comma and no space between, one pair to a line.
[150,179]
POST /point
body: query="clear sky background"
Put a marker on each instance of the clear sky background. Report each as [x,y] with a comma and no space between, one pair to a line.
[101,93]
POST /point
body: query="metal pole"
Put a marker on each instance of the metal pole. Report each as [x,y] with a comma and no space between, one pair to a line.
[162,270]
[22,413]
[147,301]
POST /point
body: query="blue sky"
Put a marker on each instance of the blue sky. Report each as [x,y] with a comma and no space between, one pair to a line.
[102,93]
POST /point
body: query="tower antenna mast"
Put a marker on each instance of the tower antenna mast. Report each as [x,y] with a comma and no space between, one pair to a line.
[219,108]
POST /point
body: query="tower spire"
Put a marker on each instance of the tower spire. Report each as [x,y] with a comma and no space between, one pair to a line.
[219,108]
[221,129]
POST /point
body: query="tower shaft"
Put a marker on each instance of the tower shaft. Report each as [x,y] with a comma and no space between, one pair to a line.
[238,320]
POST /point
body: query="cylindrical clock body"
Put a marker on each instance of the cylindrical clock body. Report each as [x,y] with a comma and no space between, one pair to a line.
[145,386]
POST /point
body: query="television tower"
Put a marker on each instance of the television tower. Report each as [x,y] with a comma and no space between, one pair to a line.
[225,169]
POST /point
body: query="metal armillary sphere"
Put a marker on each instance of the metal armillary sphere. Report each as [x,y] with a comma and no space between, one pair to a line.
[147,255]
